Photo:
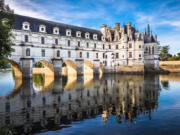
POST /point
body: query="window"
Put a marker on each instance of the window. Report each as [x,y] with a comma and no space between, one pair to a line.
[69,43]
[58,53]
[42,28]
[130,45]
[95,45]
[79,43]
[78,34]
[103,46]
[139,55]
[69,54]
[87,54]
[87,44]
[87,35]
[109,46]
[44,100]
[139,46]
[149,50]
[105,63]
[153,50]
[7,107]
[97,55]
[117,55]
[43,53]
[42,40]
[28,52]
[56,30]
[130,54]
[80,54]
[95,36]
[26,26]
[103,55]
[68,32]
[117,47]
[56,41]
[26,38]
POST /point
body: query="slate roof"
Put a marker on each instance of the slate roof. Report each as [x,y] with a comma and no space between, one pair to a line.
[35,23]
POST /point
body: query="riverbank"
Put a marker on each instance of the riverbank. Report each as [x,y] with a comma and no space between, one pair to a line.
[7,69]
[170,66]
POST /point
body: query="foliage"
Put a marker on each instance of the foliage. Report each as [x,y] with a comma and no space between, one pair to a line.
[164,53]
[38,80]
[39,65]
[6,24]
[4,64]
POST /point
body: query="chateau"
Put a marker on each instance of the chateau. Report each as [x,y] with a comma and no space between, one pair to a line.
[108,50]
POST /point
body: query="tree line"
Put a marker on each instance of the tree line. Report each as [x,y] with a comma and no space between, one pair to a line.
[164,54]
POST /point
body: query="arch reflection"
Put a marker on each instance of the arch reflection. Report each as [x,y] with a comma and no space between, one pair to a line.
[124,97]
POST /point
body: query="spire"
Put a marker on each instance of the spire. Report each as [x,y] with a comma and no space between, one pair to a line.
[148,29]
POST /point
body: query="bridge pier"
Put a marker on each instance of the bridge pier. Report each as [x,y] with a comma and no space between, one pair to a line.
[57,65]
[27,67]
[80,66]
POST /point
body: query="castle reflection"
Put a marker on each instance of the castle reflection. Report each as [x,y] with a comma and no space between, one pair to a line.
[44,103]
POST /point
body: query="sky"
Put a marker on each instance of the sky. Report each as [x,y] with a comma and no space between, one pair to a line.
[162,15]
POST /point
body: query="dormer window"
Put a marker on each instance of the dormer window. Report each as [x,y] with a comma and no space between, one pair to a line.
[68,32]
[56,30]
[103,38]
[42,28]
[95,36]
[26,26]
[87,35]
[78,34]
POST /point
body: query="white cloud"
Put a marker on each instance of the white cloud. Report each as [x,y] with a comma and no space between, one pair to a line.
[27,8]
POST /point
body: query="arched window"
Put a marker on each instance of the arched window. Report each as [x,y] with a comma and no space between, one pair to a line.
[28,52]
[117,47]
[149,50]
[58,53]
[94,45]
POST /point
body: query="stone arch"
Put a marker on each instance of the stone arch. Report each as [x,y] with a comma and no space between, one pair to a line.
[88,73]
[42,83]
[69,74]
[69,68]
[16,69]
[43,67]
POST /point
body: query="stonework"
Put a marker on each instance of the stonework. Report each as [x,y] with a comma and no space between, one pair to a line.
[118,49]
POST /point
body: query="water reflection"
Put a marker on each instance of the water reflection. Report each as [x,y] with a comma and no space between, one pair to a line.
[44,103]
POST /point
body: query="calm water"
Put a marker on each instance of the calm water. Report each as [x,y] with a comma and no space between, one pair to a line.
[113,105]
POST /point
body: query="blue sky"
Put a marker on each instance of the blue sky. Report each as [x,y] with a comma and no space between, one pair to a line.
[162,15]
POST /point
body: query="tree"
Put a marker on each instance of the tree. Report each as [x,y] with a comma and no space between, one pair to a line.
[6,24]
[164,53]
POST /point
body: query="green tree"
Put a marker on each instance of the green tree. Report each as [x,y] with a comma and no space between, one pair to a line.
[6,24]
[164,53]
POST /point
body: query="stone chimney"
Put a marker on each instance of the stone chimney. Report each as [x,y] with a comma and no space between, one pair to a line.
[117,26]
[103,29]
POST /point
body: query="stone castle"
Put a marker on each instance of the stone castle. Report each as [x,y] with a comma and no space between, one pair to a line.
[108,50]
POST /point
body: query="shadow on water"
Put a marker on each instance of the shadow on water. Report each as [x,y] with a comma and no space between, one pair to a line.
[44,104]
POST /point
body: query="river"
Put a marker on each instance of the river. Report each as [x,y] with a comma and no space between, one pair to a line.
[112,105]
